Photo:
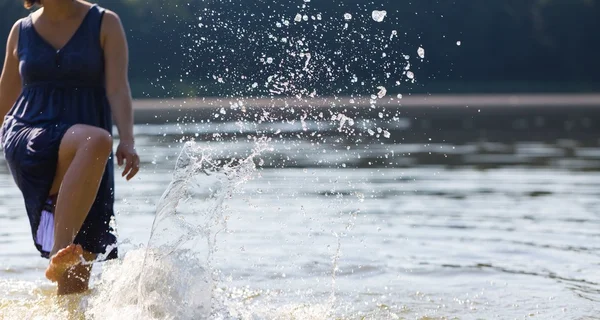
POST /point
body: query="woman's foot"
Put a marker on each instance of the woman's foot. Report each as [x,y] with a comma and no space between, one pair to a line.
[62,261]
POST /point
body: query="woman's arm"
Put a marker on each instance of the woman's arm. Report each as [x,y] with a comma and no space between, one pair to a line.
[10,81]
[118,91]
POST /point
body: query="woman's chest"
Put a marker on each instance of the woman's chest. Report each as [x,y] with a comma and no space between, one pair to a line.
[40,62]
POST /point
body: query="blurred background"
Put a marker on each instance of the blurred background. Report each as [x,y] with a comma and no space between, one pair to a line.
[505,46]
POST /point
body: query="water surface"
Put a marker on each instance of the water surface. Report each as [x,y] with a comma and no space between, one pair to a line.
[329,229]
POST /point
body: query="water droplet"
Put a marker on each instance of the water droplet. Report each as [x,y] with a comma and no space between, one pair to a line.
[421,52]
[399,96]
[382,92]
[378,15]
[458,43]
[347,16]
[298,17]
[410,75]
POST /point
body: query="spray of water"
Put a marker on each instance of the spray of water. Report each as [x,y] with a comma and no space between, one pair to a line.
[175,278]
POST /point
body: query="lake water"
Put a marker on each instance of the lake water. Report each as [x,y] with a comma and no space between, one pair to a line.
[332,228]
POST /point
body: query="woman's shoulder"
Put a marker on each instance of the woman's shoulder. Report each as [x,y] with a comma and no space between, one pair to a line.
[22,22]
[18,25]
[111,26]
[13,36]
[111,22]
[100,9]
[104,12]
[110,16]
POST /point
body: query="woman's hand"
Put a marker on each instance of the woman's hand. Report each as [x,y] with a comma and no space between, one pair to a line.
[126,154]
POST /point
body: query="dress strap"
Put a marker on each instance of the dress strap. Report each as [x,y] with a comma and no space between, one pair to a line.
[96,13]
[93,25]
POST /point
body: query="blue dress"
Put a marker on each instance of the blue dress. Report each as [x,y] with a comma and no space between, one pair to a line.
[60,88]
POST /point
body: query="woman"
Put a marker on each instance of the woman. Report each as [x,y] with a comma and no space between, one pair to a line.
[63,82]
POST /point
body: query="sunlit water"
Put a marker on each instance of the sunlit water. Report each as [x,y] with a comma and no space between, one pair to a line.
[298,230]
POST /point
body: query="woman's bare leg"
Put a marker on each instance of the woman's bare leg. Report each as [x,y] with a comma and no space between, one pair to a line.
[82,157]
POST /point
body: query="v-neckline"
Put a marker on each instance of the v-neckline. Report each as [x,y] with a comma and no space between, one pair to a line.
[72,36]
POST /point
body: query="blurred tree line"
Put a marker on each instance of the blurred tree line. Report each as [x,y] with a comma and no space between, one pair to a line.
[244,47]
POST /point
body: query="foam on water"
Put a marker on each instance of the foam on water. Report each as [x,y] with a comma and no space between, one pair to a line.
[115,296]
[28,300]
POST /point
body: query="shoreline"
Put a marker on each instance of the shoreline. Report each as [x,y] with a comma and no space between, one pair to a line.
[508,117]
[154,111]
[419,100]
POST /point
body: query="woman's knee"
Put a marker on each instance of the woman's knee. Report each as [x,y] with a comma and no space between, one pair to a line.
[100,141]
[92,139]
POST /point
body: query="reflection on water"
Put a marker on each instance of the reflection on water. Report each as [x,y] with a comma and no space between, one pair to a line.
[426,231]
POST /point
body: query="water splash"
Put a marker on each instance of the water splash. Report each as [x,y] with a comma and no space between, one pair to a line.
[172,278]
